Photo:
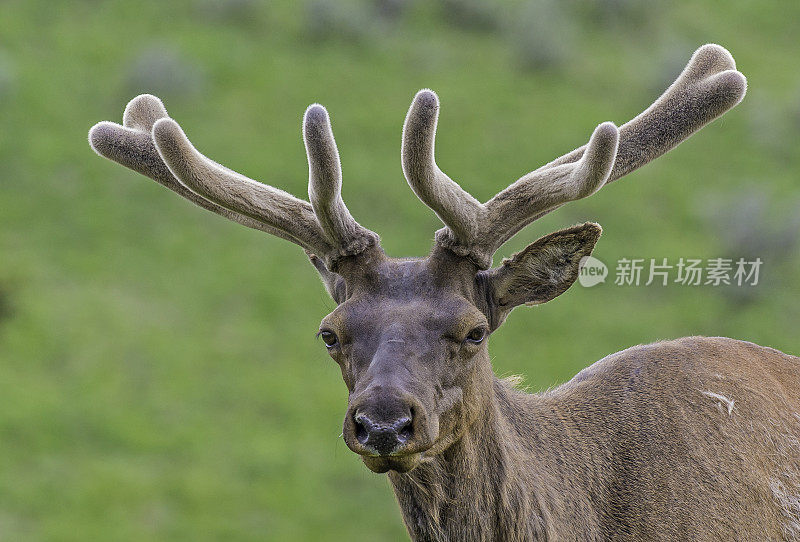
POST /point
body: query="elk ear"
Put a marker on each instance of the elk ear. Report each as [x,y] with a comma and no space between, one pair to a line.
[333,282]
[542,271]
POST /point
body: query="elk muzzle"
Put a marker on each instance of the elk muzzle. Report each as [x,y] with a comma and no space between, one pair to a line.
[388,428]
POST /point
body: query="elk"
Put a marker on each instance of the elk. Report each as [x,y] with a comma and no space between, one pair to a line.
[689,439]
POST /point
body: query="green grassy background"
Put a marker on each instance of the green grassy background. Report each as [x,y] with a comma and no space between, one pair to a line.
[159,377]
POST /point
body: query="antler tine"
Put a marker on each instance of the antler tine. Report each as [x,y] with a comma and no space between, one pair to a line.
[707,87]
[474,229]
[325,185]
[131,145]
[517,206]
[455,207]
[236,192]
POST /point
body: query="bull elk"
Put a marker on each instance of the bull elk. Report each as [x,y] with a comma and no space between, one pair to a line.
[689,439]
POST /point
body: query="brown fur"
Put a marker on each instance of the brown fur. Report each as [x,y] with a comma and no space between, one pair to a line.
[692,439]
[630,449]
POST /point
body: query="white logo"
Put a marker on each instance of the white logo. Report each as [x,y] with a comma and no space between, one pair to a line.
[591,271]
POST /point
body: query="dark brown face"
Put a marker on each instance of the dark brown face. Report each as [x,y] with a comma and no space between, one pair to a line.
[408,345]
[410,337]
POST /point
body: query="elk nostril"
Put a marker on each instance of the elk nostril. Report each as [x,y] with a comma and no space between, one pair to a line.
[404,430]
[362,435]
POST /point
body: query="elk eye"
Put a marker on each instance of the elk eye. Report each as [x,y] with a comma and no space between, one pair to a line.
[477,335]
[329,338]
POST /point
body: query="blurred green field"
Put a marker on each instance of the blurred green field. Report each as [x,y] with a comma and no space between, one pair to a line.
[159,377]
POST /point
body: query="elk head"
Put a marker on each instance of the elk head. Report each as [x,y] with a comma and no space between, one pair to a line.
[410,335]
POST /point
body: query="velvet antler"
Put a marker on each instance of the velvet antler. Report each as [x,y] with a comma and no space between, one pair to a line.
[154,145]
[707,88]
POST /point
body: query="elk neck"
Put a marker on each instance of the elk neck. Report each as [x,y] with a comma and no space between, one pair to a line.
[518,472]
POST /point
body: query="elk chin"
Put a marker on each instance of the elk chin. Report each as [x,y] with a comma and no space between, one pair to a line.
[401,464]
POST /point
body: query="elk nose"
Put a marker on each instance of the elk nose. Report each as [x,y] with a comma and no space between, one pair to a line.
[382,437]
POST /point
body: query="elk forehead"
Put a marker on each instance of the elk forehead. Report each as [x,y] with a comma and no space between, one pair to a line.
[436,294]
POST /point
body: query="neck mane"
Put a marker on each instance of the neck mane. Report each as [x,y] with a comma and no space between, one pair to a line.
[505,479]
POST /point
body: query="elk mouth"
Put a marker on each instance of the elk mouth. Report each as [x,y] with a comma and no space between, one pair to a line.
[398,463]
